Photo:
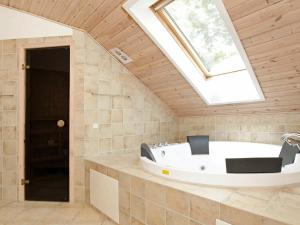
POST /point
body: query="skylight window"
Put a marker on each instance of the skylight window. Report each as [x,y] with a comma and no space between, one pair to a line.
[199,38]
[203,31]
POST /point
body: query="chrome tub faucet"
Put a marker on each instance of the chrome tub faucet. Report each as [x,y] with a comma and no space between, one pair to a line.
[292,139]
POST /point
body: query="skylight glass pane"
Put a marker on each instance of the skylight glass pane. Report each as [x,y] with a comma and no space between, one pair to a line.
[203,27]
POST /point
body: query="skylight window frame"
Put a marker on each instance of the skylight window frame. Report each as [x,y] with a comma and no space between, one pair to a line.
[183,41]
[218,90]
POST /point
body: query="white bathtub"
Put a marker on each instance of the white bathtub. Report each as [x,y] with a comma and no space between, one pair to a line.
[176,162]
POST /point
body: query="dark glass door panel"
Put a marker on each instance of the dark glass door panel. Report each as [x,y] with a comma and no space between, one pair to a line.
[47,124]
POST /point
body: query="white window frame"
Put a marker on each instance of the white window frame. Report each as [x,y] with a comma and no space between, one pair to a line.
[213,89]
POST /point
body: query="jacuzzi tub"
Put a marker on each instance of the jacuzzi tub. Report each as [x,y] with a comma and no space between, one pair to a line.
[176,162]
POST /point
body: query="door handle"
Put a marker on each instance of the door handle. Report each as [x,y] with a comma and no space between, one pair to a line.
[60,123]
[24,181]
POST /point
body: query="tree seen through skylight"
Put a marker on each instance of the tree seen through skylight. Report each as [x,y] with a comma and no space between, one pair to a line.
[202,25]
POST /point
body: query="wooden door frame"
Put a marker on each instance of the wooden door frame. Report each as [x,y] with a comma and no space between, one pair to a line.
[21,50]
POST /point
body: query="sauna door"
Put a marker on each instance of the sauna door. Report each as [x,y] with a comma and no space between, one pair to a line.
[47,124]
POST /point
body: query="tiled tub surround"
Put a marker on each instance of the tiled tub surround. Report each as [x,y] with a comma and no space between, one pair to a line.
[151,200]
[262,128]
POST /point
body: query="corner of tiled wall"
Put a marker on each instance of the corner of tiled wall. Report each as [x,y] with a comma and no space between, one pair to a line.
[116,112]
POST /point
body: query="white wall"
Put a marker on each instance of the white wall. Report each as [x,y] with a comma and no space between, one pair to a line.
[17,25]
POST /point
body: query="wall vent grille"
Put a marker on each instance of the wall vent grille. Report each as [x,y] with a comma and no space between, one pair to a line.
[120,55]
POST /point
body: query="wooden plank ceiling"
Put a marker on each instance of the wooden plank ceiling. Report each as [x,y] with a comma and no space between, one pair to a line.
[268,29]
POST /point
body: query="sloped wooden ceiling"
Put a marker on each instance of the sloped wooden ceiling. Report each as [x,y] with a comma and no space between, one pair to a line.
[268,29]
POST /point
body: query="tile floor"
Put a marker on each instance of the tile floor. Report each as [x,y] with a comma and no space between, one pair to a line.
[42,213]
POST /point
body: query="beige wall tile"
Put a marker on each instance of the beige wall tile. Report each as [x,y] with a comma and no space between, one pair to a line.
[113,173]
[124,201]
[117,102]
[176,219]
[9,88]
[156,193]
[9,133]
[9,47]
[124,181]
[137,208]
[105,131]
[9,62]
[132,142]
[203,210]
[104,116]
[118,142]
[284,206]
[156,215]
[9,178]
[117,129]
[102,169]
[138,186]
[9,148]
[79,193]
[9,193]
[10,163]
[253,200]
[117,116]
[238,217]
[105,144]
[267,221]
[9,118]
[79,171]
[134,221]
[9,102]
[124,218]
[177,201]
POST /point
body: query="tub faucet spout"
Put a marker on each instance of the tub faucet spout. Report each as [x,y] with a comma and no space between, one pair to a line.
[292,139]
